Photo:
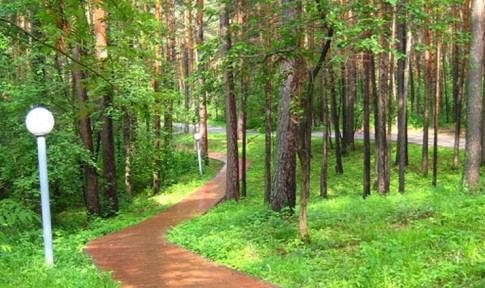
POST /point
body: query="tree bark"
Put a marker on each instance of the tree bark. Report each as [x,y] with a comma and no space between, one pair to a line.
[436,114]
[471,172]
[366,123]
[351,94]
[323,173]
[427,93]
[157,163]
[232,183]
[267,68]
[171,59]
[199,41]
[381,141]
[267,141]
[91,193]
[186,66]
[107,138]
[283,187]
[402,96]
[339,169]
[458,79]
[242,19]
[304,132]
[127,127]
[382,158]
[343,103]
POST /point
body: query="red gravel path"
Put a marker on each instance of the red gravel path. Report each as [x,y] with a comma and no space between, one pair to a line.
[140,256]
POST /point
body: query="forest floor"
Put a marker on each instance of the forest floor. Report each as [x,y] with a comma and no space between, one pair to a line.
[140,256]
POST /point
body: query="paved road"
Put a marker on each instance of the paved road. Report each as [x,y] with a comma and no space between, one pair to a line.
[445,140]
[140,256]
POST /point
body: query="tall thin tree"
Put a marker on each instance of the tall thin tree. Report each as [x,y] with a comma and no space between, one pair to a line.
[157,163]
[232,183]
[199,41]
[428,86]
[91,193]
[401,94]
[304,131]
[436,113]
[107,138]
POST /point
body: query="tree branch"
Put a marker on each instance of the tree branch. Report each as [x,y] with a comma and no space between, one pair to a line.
[5,21]
[323,54]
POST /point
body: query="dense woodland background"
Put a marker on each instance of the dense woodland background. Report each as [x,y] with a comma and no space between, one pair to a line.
[117,75]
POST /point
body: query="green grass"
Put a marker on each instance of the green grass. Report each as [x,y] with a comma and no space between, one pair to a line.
[427,237]
[24,265]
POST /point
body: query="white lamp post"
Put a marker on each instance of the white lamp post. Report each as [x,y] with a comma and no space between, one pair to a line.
[39,121]
[197,137]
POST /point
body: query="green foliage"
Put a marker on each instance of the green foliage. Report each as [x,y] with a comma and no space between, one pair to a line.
[427,237]
[22,262]
[13,218]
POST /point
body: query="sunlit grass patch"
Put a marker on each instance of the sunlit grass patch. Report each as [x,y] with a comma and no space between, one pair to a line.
[24,265]
[427,237]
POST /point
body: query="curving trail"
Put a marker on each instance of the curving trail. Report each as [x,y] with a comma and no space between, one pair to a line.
[140,256]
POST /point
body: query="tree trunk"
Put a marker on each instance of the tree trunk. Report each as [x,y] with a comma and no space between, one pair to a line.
[186,68]
[458,80]
[427,93]
[343,101]
[304,132]
[335,120]
[109,164]
[199,41]
[418,81]
[381,131]
[323,173]
[471,172]
[482,162]
[349,119]
[107,138]
[435,113]
[402,96]
[366,122]
[157,163]
[91,193]
[232,183]
[412,90]
[267,141]
[381,141]
[127,151]
[352,94]
[171,59]
[283,187]
[242,18]
[267,68]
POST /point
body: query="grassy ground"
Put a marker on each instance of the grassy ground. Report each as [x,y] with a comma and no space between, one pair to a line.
[427,237]
[24,265]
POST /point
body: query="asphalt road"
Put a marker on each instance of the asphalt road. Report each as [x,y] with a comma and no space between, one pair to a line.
[445,140]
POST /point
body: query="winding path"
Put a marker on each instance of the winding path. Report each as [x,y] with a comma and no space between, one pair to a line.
[140,256]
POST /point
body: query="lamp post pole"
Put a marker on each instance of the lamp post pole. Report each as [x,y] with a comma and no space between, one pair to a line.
[40,122]
[197,137]
[44,196]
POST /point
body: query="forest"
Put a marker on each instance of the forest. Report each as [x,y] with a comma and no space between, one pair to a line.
[130,81]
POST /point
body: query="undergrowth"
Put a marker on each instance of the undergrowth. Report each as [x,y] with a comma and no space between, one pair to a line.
[427,237]
[22,262]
